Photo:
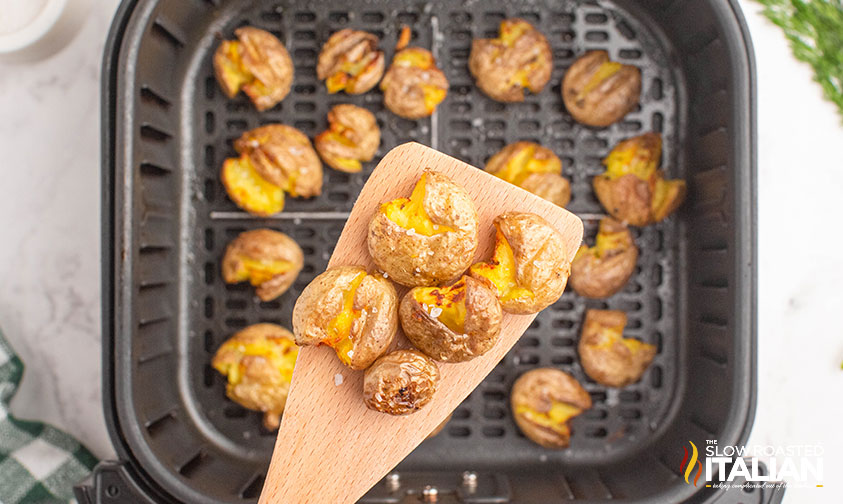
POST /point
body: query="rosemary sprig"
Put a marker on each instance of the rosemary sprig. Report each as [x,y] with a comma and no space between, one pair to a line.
[815,31]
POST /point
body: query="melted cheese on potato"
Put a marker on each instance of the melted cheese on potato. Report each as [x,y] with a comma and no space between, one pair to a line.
[410,213]
[249,190]
[500,271]
[349,72]
[339,330]
[612,335]
[524,163]
[605,242]
[631,157]
[447,304]
[258,271]
[510,32]
[555,418]
[280,352]
[337,132]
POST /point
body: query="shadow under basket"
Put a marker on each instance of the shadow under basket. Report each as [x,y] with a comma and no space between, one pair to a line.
[167,128]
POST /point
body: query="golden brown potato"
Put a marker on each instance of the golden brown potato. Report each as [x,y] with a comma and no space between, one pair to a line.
[602,270]
[283,156]
[529,267]
[543,401]
[349,310]
[258,63]
[534,168]
[519,58]
[632,189]
[452,324]
[598,91]
[606,356]
[350,61]
[269,260]
[248,190]
[400,382]
[413,86]
[258,362]
[427,239]
[273,159]
[352,136]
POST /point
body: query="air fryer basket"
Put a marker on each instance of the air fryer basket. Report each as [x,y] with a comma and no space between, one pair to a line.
[166,221]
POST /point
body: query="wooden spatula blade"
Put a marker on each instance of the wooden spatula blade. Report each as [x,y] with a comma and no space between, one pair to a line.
[332,449]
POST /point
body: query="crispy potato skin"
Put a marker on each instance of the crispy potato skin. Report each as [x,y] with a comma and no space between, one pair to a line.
[544,179]
[538,390]
[598,274]
[541,264]
[605,101]
[626,198]
[352,133]
[629,187]
[347,48]
[263,245]
[322,301]
[413,259]
[482,325]
[404,83]
[400,383]
[554,188]
[264,380]
[283,156]
[503,68]
[603,354]
[265,59]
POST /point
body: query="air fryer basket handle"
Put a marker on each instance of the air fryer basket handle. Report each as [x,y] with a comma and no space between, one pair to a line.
[112,482]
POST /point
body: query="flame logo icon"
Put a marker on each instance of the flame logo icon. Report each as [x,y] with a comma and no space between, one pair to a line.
[689,465]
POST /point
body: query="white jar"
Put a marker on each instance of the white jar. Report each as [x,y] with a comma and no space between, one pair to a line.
[35,29]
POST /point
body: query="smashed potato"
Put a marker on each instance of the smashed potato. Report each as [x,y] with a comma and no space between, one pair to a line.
[273,159]
[602,270]
[518,59]
[413,86]
[534,168]
[543,401]
[452,324]
[632,189]
[269,260]
[428,238]
[352,136]
[400,382]
[283,156]
[248,190]
[256,63]
[598,91]
[606,356]
[258,362]
[349,310]
[350,61]
[529,266]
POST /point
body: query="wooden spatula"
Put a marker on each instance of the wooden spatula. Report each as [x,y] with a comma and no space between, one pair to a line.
[331,449]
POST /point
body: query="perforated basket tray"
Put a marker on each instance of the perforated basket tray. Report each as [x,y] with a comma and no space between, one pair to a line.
[167,129]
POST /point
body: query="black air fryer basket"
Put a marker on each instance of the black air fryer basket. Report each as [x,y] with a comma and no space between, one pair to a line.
[166,221]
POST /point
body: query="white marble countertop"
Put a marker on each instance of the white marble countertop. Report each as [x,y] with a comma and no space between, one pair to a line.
[50,256]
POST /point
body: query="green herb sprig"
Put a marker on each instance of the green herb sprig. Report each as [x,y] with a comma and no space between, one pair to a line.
[815,31]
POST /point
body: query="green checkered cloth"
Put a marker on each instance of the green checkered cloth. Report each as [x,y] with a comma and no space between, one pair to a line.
[38,463]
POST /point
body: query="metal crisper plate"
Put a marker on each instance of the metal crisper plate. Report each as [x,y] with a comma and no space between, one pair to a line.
[471,127]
